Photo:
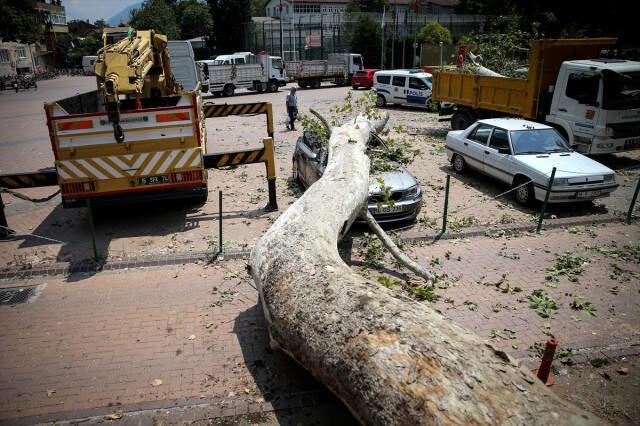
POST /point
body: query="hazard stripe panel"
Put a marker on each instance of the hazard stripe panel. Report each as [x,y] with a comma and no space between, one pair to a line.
[119,166]
[224,110]
[234,158]
[29,180]
[75,125]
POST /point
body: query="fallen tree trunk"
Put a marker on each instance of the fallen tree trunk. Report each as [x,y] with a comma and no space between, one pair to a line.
[392,360]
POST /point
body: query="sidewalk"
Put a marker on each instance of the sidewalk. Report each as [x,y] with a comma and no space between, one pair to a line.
[147,339]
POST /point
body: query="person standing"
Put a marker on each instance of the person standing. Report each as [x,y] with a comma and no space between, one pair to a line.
[292,108]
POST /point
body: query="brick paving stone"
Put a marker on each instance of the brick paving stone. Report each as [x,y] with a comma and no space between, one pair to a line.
[99,340]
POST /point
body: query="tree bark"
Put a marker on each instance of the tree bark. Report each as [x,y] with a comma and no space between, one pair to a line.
[390,359]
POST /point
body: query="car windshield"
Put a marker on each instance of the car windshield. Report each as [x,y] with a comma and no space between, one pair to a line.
[621,90]
[538,141]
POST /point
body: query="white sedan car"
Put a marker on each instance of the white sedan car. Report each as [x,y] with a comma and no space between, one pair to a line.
[517,151]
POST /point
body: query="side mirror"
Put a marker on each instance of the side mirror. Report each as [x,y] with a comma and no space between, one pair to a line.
[504,150]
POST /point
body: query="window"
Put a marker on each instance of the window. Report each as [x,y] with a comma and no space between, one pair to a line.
[357,60]
[4,55]
[399,81]
[21,52]
[480,134]
[383,79]
[538,141]
[418,84]
[306,8]
[499,139]
[583,88]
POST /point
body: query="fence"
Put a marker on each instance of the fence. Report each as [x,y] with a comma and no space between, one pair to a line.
[315,36]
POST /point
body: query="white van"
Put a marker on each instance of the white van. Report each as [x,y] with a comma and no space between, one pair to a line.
[87,64]
[237,58]
[403,87]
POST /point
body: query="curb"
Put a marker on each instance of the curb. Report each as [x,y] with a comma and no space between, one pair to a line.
[87,266]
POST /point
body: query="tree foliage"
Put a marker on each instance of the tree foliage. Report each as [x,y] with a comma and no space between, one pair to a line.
[156,15]
[434,33]
[365,40]
[193,18]
[17,21]
[229,24]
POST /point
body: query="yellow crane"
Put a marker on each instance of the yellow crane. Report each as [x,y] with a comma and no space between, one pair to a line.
[136,66]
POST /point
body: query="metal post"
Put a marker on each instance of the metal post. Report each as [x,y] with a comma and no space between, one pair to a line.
[96,256]
[220,241]
[631,207]
[544,371]
[446,205]
[546,200]
[4,226]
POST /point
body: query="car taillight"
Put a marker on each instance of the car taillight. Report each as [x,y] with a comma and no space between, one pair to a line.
[78,187]
[193,175]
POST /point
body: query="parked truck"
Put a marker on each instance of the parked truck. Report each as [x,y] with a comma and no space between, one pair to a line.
[594,103]
[140,135]
[266,74]
[338,68]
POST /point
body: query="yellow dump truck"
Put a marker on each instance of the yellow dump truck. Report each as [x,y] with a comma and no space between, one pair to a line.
[594,103]
[117,145]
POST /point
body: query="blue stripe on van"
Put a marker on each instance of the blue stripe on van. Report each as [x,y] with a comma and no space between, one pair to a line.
[417,100]
[383,91]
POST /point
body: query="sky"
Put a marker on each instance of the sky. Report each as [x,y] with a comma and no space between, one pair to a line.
[94,9]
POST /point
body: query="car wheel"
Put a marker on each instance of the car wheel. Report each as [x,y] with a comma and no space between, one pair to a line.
[354,87]
[228,90]
[381,101]
[460,120]
[459,165]
[524,195]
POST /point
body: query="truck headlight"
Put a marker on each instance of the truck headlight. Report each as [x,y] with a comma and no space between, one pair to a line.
[412,192]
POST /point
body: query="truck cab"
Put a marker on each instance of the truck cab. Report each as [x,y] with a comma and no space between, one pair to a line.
[596,103]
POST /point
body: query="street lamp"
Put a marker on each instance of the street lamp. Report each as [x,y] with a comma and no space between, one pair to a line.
[441,44]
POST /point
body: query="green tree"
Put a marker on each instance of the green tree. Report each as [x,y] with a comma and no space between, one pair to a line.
[157,15]
[89,46]
[230,19]
[376,6]
[193,18]
[434,33]
[18,21]
[366,40]
[100,23]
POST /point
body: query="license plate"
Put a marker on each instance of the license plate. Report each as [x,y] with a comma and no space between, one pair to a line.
[587,194]
[153,180]
[632,143]
[388,209]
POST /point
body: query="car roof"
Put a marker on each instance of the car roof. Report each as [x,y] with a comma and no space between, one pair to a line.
[404,73]
[611,64]
[514,124]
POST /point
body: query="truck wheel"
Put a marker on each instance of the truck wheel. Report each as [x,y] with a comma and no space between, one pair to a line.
[316,84]
[272,87]
[259,87]
[303,84]
[524,195]
[459,165]
[340,81]
[228,90]
[461,120]
[381,101]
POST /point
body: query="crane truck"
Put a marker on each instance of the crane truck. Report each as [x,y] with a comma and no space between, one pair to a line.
[140,135]
[594,103]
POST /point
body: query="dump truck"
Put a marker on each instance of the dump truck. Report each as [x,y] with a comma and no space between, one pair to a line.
[266,74]
[594,103]
[139,136]
[338,68]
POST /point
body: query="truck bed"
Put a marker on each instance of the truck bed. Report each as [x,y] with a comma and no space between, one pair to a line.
[314,69]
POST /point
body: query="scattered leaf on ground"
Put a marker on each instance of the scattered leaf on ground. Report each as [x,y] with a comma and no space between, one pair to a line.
[155,382]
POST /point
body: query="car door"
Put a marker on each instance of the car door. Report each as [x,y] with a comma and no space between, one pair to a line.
[579,105]
[475,144]
[417,92]
[398,84]
[497,156]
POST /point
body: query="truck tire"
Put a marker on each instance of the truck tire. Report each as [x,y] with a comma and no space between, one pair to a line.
[272,87]
[259,87]
[228,90]
[381,101]
[461,120]
[340,81]
[315,84]
[303,84]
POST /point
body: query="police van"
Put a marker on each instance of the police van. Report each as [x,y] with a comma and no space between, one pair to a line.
[403,87]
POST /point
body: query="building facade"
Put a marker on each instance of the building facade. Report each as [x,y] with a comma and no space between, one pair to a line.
[22,58]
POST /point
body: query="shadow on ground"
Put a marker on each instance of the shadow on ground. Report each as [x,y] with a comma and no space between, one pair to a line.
[283,382]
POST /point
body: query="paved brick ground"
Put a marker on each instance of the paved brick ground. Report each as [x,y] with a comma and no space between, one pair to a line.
[92,344]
